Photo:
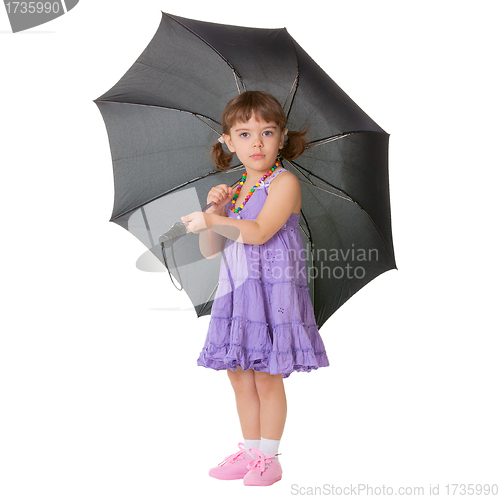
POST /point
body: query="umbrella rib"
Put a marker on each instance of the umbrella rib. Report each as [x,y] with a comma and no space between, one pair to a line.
[326,140]
[207,302]
[235,73]
[310,182]
[201,117]
[196,115]
[308,232]
[349,198]
[295,84]
[205,123]
[291,95]
[308,235]
[333,193]
[145,218]
[235,168]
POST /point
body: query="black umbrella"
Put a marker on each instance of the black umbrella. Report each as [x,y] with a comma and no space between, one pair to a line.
[162,118]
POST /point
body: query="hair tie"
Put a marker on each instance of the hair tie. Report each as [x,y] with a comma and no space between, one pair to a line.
[221,139]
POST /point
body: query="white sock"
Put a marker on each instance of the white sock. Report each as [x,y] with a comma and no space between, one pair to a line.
[268,446]
[249,444]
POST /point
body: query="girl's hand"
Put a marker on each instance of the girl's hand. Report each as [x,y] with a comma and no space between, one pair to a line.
[220,195]
[195,222]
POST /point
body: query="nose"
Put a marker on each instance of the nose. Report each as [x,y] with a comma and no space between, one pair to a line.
[257,142]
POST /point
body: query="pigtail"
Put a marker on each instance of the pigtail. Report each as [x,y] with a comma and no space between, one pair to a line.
[295,144]
[221,158]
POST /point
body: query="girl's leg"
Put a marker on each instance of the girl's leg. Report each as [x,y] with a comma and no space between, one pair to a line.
[271,393]
[247,402]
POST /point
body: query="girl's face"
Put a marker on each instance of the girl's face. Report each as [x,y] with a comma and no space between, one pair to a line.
[256,143]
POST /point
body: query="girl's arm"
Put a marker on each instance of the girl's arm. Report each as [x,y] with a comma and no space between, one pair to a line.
[281,200]
[211,243]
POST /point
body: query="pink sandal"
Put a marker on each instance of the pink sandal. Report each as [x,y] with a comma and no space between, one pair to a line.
[234,466]
[264,470]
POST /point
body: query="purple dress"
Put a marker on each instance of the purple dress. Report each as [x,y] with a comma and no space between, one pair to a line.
[262,316]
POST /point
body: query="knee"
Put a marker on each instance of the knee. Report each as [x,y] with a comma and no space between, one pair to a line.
[268,384]
[241,380]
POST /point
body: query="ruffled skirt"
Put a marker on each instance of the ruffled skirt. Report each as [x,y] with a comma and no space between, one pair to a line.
[268,327]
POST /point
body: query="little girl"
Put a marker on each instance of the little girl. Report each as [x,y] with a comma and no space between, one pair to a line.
[262,325]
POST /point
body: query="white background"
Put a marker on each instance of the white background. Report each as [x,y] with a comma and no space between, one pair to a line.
[100,392]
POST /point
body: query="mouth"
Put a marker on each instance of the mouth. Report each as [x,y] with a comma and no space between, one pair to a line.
[257,156]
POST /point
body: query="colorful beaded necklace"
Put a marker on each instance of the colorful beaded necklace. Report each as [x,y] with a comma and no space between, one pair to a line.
[252,190]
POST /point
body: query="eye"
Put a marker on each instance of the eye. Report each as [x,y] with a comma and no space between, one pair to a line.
[244,135]
[268,133]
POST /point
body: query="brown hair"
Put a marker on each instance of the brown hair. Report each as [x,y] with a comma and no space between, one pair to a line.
[266,108]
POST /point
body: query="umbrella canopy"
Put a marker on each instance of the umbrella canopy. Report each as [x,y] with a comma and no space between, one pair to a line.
[163,116]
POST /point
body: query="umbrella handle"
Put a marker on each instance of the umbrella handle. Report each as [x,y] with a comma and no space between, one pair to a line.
[179,228]
[175,232]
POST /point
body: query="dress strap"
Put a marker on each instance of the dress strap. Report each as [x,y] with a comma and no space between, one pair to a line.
[265,185]
[274,175]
